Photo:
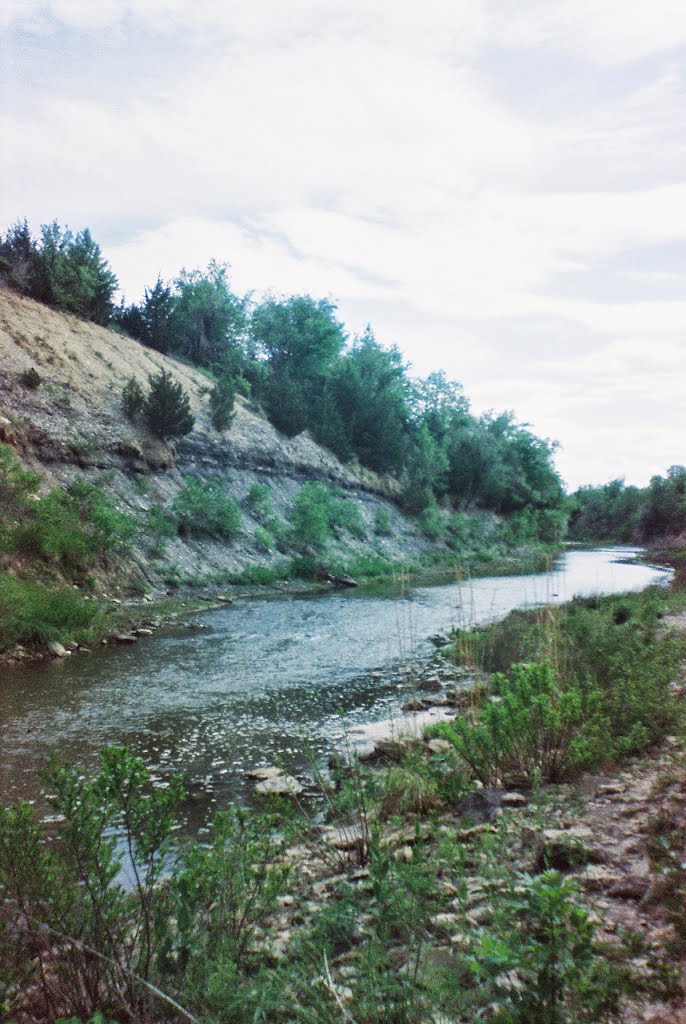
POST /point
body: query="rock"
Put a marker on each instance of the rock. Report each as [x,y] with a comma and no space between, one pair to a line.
[565,849]
[610,789]
[597,878]
[432,684]
[57,650]
[403,855]
[282,785]
[445,922]
[438,746]
[513,800]
[223,599]
[632,887]
[123,638]
[263,774]
[345,839]
[481,806]
[416,705]
[465,835]
[387,750]
[142,631]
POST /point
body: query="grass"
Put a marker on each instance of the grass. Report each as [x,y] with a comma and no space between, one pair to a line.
[33,613]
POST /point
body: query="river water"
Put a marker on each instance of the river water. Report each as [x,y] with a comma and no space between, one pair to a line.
[275,679]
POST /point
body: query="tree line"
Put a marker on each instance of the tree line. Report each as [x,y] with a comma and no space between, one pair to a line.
[293,357]
[620,512]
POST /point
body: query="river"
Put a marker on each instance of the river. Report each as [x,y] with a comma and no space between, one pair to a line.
[273,679]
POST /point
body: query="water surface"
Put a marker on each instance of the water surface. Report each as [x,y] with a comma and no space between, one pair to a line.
[267,679]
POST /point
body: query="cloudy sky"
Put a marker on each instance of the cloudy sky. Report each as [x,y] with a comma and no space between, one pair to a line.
[498,186]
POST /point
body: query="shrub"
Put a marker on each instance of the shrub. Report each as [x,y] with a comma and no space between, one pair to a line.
[222,400]
[31,613]
[167,409]
[310,516]
[382,522]
[433,522]
[162,523]
[258,501]
[31,378]
[264,539]
[203,508]
[132,399]
[535,728]
[344,514]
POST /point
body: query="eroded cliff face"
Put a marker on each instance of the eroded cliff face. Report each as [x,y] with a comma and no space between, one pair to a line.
[72,426]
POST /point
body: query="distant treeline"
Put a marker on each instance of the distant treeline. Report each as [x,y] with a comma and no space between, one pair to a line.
[291,355]
[630,514]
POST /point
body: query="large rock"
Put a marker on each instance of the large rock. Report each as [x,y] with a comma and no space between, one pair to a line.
[57,650]
[282,785]
[264,774]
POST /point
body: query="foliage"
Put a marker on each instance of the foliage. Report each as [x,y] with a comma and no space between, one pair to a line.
[613,652]
[626,514]
[30,378]
[61,269]
[264,539]
[258,501]
[167,408]
[222,400]
[32,613]
[132,399]
[202,508]
[153,321]
[72,891]
[382,522]
[535,728]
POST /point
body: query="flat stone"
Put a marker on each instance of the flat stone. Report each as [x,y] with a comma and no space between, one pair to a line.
[123,638]
[142,631]
[513,800]
[262,774]
[282,785]
[632,887]
[345,839]
[57,650]
[438,746]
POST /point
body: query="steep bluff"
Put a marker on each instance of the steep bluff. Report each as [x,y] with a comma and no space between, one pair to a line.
[72,426]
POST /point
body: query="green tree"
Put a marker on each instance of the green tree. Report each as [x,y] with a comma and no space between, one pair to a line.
[167,409]
[301,340]
[71,273]
[208,321]
[222,400]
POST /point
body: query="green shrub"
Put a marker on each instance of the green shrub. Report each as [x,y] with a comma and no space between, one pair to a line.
[433,522]
[202,508]
[132,399]
[534,728]
[222,400]
[310,516]
[33,613]
[382,522]
[258,502]
[17,485]
[167,409]
[162,523]
[345,514]
[264,539]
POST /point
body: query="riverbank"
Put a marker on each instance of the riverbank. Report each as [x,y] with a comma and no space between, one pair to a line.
[125,619]
[464,876]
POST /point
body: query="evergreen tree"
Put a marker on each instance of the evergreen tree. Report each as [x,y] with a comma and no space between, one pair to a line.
[167,409]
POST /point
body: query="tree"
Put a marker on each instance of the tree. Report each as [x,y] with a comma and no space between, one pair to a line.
[18,258]
[71,273]
[167,409]
[222,399]
[301,339]
[208,321]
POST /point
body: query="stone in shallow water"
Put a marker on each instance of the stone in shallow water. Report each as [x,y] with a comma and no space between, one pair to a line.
[282,785]
[268,772]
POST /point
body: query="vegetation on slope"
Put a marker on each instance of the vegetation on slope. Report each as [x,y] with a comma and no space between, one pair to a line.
[627,514]
[292,356]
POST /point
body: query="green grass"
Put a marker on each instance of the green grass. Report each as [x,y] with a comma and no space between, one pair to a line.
[32,613]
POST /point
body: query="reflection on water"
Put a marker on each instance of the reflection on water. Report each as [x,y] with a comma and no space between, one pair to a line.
[266,674]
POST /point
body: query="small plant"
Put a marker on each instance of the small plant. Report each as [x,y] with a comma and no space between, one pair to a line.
[382,522]
[310,516]
[258,502]
[167,409]
[132,399]
[222,400]
[202,508]
[264,539]
[534,728]
[31,379]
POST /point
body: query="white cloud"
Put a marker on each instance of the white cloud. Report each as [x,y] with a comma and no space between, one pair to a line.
[372,152]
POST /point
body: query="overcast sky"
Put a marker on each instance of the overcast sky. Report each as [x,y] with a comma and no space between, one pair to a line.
[498,187]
